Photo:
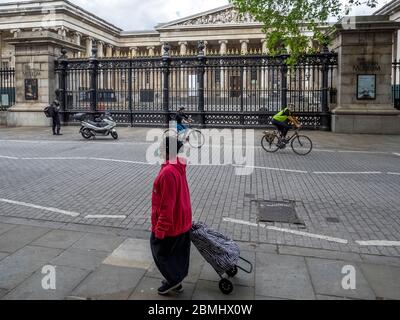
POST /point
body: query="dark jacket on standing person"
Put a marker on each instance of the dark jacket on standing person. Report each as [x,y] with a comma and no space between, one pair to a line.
[171,205]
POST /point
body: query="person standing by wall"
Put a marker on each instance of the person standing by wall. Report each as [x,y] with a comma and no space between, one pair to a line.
[171,219]
[54,111]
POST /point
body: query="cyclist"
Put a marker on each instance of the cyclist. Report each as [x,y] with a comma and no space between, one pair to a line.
[282,120]
[181,119]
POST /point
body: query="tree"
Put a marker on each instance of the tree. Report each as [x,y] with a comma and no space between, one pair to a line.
[289,25]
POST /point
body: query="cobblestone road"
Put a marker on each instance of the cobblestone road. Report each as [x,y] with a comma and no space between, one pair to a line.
[353,178]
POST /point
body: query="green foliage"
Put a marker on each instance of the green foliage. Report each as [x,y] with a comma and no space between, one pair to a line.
[291,25]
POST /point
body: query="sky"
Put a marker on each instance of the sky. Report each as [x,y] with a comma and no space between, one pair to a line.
[131,15]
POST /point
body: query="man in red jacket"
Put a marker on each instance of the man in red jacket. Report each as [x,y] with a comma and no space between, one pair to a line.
[171,219]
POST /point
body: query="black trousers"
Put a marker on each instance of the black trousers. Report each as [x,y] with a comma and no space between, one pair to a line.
[283,127]
[56,124]
[172,256]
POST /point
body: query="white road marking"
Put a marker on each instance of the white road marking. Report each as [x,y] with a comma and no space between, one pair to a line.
[396,154]
[372,172]
[56,158]
[394,173]
[271,169]
[104,217]
[30,205]
[121,161]
[295,232]
[5,157]
[379,243]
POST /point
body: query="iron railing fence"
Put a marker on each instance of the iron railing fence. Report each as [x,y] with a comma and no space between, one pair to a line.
[7,88]
[218,91]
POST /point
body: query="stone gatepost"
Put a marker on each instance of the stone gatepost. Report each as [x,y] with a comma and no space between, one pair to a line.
[364,81]
[35,81]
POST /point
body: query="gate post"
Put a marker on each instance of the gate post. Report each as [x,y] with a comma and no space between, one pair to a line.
[166,71]
[325,118]
[200,77]
[284,89]
[61,92]
[93,79]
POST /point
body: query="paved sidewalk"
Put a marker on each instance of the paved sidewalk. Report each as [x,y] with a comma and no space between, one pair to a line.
[115,263]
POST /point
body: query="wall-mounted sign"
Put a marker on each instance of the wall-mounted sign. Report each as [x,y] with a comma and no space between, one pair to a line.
[31,89]
[367,66]
[366,87]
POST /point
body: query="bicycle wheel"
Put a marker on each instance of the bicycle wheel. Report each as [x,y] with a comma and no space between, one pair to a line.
[170,133]
[270,143]
[196,139]
[302,145]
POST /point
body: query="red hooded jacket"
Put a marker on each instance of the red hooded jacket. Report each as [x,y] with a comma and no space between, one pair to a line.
[171,206]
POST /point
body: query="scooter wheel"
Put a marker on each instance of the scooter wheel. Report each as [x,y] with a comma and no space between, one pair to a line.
[114,135]
[86,133]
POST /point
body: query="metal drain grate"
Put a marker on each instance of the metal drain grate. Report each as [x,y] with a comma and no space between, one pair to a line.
[278,211]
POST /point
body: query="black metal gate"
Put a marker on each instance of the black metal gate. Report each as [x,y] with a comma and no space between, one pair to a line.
[218,91]
[7,88]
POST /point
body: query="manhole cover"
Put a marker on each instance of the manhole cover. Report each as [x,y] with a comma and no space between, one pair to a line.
[278,211]
[333,220]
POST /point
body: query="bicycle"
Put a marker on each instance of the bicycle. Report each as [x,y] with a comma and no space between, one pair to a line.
[194,137]
[272,141]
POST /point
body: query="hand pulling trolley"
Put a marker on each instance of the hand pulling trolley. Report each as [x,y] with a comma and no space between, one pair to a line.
[221,253]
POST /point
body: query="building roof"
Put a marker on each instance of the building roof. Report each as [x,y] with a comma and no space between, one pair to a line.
[389,8]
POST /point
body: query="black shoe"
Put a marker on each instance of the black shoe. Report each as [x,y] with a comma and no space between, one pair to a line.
[177,290]
[59,134]
[167,288]
[54,134]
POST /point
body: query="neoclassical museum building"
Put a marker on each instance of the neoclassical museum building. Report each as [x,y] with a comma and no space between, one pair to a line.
[216,63]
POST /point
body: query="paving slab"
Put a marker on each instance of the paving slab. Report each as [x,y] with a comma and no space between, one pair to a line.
[59,239]
[100,242]
[82,259]
[242,278]
[3,255]
[3,292]
[109,283]
[4,227]
[66,280]
[319,253]
[269,298]
[284,277]
[384,280]
[22,264]
[381,260]
[209,290]
[132,253]
[19,237]
[327,279]
[147,290]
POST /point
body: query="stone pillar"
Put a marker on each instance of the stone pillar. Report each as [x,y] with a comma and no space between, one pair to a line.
[117,52]
[78,41]
[150,50]
[109,51]
[244,44]
[134,51]
[35,79]
[183,47]
[223,47]
[264,48]
[365,52]
[100,49]
[89,46]
[224,79]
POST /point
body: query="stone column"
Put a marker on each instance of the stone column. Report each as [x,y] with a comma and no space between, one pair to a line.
[150,50]
[224,77]
[244,47]
[264,72]
[100,49]
[117,52]
[35,79]
[109,51]
[183,47]
[365,50]
[89,46]
[78,41]
[134,51]
[223,47]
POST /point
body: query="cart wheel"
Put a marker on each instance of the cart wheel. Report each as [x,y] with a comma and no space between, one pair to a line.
[226,286]
[233,272]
